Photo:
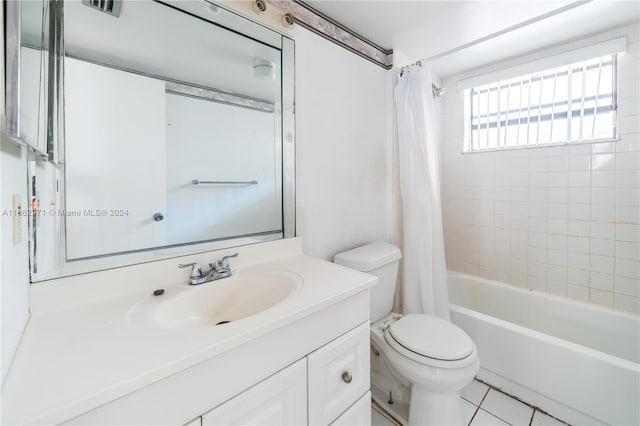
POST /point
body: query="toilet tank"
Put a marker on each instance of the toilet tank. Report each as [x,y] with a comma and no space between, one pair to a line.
[381,260]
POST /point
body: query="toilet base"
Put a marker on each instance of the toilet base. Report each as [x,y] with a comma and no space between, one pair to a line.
[434,408]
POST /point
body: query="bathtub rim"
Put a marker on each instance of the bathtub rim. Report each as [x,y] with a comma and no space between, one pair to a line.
[548,296]
[548,338]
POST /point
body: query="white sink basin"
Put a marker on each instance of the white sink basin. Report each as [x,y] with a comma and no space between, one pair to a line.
[216,302]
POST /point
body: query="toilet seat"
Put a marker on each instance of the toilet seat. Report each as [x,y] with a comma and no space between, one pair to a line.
[431,341]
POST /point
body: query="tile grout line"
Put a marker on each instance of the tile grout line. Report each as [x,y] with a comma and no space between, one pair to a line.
[479,404]
[550,415]
[520,400]
[472,417]
[494,414]
[376,407]
[474,414]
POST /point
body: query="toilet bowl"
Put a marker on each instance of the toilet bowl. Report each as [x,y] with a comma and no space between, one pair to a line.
[433,357]
[436,371]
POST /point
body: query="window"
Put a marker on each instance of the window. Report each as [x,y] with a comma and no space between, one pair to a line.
[571,103]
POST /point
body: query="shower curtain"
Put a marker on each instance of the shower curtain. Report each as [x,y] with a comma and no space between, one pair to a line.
[424,268]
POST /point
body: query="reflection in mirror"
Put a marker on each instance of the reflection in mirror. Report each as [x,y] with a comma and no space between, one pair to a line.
[173,136]
[150,113]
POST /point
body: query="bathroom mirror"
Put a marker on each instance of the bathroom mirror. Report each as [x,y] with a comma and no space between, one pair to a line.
[178,137]
[27,26]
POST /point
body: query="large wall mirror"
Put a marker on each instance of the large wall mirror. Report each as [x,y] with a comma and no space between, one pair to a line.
[178,137]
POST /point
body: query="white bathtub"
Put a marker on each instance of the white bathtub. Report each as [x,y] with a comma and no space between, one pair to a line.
[578,361]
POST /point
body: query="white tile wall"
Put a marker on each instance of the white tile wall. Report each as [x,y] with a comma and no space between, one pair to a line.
[565,220]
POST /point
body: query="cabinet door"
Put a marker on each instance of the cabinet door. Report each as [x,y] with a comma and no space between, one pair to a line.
[279,400]
[338,375]
[359,414]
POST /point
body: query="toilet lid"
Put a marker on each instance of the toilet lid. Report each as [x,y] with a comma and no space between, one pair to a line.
[432,337]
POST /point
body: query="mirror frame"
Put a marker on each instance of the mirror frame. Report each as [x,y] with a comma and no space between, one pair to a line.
[13,76]
[49,262]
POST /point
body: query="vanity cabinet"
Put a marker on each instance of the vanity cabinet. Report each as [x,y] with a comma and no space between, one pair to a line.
[334,380]
[359,414]
[279,400]
[338,375]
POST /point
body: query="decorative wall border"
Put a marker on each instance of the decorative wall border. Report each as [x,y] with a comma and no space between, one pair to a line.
[319,23]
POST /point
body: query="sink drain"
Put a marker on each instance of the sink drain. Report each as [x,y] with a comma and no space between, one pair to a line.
[223,322]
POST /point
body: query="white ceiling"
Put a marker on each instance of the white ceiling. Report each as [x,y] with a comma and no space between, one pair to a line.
[422,29]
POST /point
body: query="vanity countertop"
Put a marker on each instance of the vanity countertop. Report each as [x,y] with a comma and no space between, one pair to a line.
[76,355]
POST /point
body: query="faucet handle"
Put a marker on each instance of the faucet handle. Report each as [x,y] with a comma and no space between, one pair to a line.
[224,259]
[223,264]
[196,272]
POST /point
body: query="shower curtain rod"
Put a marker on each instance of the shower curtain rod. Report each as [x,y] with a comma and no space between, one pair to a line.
[437,92]
[404,68]
[523,24]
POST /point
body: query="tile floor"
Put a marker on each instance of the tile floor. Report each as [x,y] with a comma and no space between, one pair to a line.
[483,406]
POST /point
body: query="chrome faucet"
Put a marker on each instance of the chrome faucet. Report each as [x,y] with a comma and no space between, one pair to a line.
[217,270]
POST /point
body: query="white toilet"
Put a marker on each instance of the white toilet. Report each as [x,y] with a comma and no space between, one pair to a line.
[430,356]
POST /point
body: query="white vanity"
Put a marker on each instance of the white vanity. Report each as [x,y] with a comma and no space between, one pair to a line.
[94,352]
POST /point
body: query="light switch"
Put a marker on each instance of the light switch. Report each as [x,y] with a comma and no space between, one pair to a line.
[17,219]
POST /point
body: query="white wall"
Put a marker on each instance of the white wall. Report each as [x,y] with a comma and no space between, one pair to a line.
[14,266]
[343,148]
[14,290]
[564,220]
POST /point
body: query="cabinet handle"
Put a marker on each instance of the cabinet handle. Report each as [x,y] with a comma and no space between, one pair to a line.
[346,377]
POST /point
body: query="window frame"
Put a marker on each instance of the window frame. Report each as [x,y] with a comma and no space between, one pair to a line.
[528,118]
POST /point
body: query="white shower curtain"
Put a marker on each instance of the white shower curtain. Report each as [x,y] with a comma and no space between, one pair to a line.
[424,271]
